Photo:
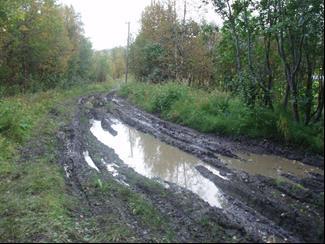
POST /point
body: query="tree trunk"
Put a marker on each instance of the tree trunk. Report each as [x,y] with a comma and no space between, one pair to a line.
[268,92]
[295,106]
[253,78]
[181,44]
[286,97]
[291,73]
[236,42]
[291,79]
[309,91]
[320,107]
[238,59]
[320,104]
[292,67]
[175,41]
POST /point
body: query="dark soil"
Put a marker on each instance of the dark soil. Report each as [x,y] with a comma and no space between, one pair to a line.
[259,209]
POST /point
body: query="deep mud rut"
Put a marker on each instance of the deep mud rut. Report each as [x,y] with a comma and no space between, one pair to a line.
[259,209]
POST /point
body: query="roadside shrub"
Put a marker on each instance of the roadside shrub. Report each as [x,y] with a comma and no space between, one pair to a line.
[166,95]
[216,103]
[312,137]
[219,112]
[262,122]
[282,125]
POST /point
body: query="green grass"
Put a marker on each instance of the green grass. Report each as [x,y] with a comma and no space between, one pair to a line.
[34,203]
[137,205]
[221,113]
[142,208]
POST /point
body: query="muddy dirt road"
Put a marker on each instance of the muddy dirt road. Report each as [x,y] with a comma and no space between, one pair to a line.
[253,207]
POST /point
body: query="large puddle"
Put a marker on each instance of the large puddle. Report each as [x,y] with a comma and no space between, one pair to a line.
[269,165]
[152,158]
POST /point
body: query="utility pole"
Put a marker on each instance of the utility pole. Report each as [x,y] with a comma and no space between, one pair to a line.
[127,55]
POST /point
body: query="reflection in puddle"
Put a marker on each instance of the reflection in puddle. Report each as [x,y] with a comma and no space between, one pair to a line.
[269,165]
[66,169]
[111,168]
[152,158]
[214,171]
[89,161]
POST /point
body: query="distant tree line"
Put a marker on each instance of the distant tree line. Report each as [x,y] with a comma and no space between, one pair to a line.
[42,45]
[269,52]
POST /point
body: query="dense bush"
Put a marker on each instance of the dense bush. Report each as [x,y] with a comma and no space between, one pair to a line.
[219,112]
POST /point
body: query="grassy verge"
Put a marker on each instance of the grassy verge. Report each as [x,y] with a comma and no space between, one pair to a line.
[140,208]
[34,204]
[218,112]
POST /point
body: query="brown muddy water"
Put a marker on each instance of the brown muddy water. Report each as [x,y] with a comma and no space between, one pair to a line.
[269,165]
[152,158]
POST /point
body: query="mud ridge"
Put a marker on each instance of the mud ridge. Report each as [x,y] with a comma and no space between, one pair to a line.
[259,209]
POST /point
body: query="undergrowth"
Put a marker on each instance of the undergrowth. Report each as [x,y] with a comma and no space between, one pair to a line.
[221,113]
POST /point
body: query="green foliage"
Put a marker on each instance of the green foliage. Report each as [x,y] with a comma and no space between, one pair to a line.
[101,66]
[147,60]
[166,96]
[43,46]
[283,127]
[259,55]
[117,62]
[167,48]
[219,112]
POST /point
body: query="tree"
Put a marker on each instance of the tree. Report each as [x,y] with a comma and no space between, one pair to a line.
[255,27]
[117,62]
[41,44]
[101,66]
[168,48]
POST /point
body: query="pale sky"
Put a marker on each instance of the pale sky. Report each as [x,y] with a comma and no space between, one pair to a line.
[105,20]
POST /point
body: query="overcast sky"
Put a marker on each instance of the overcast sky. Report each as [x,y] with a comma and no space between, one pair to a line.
[105,20]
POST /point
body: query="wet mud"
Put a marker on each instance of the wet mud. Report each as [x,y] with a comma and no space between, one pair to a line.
[257,208]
